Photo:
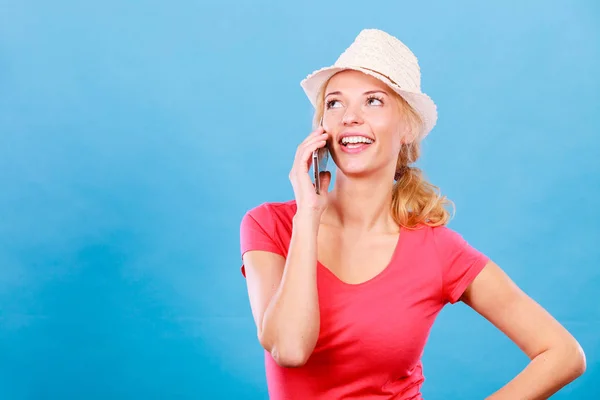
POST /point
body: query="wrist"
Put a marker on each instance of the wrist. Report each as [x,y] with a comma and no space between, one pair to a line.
[307,219]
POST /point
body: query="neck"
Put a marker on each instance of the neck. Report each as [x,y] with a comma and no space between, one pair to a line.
[361,204]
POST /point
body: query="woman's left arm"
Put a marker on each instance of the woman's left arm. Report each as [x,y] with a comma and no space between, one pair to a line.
[556,357]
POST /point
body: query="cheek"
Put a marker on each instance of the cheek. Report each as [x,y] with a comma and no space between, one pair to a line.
[390,142]
[332,118]
[389,132]
[387,129]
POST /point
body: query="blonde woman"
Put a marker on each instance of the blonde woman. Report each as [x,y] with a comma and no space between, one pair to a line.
[345,285]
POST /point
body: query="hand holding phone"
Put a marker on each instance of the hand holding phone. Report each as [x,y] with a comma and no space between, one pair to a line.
[311,197]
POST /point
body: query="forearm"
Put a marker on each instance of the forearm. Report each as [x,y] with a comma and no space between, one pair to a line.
[290,325]
[544,375]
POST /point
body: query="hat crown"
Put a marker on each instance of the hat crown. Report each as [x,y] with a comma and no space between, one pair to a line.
[383,56]
[383,53]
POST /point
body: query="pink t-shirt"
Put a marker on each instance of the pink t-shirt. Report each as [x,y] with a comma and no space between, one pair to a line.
[372,334]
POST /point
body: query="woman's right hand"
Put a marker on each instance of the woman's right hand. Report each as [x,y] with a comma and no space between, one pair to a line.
[307,200]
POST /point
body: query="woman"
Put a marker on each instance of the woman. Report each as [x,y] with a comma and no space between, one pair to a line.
[345,285]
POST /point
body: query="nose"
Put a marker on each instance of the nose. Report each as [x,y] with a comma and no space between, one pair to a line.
[352,116]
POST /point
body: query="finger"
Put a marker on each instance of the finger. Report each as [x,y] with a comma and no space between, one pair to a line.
[313,134]
[311,141]
[308,152]
[303,159]
[325,177]
[310,146]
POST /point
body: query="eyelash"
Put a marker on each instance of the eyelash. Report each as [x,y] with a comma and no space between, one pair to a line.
[372,97]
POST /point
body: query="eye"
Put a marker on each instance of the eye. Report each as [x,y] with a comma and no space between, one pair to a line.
[331,103]
[374,101]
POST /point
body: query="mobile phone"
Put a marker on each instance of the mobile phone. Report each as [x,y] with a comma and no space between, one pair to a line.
[319,162]
[320,158]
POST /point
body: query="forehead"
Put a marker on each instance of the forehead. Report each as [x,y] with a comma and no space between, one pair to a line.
[350,80]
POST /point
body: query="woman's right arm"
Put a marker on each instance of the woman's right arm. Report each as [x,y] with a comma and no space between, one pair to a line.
[283,296]
[283,292]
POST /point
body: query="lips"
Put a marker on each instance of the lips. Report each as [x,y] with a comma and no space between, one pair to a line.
[354,148]
[354,142]
[354,137]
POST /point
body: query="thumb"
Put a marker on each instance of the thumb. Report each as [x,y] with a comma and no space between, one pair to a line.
[325,180]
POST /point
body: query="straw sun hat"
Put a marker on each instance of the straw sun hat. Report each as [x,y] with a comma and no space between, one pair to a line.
[386,58]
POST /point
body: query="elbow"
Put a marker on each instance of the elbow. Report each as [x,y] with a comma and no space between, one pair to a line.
[578,360]
[289,357]
[573,360]
[286,355]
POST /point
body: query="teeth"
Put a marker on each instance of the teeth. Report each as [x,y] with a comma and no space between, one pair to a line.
[356,139]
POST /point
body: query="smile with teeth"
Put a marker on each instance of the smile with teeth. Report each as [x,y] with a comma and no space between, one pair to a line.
[355,141]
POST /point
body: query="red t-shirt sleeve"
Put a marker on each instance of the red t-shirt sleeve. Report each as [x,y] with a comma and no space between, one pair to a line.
[460,262]
[258,232]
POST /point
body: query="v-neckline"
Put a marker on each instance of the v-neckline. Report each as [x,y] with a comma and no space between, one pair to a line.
[374,278]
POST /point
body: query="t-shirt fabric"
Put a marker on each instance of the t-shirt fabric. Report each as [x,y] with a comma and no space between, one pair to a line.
[372,334]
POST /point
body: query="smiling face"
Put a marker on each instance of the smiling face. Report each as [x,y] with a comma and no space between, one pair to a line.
[365,122]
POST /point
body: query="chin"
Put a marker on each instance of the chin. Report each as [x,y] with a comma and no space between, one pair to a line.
[356,172]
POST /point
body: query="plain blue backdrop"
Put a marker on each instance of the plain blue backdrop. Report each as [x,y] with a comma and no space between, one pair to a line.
[135,134]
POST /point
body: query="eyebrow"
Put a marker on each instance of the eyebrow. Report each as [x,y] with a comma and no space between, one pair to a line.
[367,92]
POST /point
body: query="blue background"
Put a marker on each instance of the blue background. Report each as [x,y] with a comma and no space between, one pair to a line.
[134,136]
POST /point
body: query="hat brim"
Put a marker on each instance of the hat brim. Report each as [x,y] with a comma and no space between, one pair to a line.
[420,102]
